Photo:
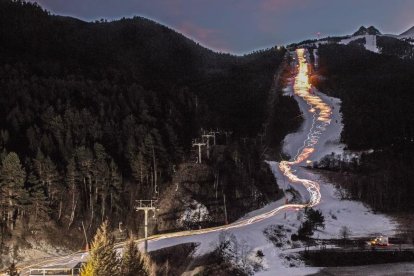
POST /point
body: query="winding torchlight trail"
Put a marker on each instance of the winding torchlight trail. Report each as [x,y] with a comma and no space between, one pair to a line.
[321,119]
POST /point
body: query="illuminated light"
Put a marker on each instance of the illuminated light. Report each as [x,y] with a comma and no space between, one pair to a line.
[322,118]
[302,88]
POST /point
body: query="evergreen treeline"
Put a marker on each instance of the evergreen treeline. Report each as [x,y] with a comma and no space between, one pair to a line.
[94,115]
[394,46]
[376,91]
[104,260]
[377,100]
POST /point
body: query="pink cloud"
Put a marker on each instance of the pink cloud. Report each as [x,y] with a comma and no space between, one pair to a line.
[206,36]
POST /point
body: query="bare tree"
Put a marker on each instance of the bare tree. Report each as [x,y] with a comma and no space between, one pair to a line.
[345,233]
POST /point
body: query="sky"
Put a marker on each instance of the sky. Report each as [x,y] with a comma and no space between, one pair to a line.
[241,26]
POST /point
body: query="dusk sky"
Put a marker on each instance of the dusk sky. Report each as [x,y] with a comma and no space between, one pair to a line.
[240,26]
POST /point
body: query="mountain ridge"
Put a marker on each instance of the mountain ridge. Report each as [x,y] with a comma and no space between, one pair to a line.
[367,31]
[408,33]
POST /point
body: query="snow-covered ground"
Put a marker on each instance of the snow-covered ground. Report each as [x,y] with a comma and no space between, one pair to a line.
[195,212]
[353,214]
[401,269]
[329,140]
[370,42]
[407,34]
[358,218]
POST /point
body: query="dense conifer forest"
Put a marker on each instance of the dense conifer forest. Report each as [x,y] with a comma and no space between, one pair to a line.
[377,105]
[97,114]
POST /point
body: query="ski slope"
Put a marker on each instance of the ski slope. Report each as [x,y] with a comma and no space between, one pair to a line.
[370,42]
[360,219]
[319,135]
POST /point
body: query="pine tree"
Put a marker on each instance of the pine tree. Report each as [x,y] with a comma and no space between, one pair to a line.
[133,262]
[12,270]
[102,257]
[84,162]
[138,168]
[100,172]
[71,180]
[115,186]
[344,233]
[38,198]
[51,178]
[37,186]
[12,186]
[316,218]
[47,176]
[305,230]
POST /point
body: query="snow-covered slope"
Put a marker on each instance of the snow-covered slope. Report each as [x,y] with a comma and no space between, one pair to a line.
[373,40]
[348,213]
[370,41]
[408,34]
[357,217]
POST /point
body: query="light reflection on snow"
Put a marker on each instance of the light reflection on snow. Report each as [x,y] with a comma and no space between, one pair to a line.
[322,117]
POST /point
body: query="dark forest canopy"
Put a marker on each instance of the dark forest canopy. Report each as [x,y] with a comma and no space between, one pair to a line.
[138,51]
[376,91]
[95,113]
[111,74]
[377,105]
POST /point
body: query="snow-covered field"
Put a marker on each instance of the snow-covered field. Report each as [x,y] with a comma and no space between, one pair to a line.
[397,269]
[329,140]
[370,42]
[353,214]
[358,218]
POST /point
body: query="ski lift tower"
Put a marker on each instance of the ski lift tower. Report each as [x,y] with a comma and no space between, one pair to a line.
[146,206]
[207,139]
[199,145]
[261,135]
[228,134]
[214,133]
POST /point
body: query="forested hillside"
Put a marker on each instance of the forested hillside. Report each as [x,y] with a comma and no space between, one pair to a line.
[377,105]
[402,48]
[95,115]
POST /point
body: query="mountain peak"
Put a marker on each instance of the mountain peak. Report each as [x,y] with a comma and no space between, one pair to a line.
[408,33]
[367,31]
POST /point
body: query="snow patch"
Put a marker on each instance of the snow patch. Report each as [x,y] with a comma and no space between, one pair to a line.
[195,213]
[370,42]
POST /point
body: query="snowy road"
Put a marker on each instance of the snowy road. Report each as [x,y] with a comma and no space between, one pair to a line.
[318,136]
